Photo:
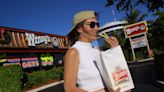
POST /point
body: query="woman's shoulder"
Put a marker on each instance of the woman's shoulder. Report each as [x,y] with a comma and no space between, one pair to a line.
[71,51]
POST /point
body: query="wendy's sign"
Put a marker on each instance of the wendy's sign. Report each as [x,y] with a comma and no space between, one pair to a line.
[19,38]
[135,29]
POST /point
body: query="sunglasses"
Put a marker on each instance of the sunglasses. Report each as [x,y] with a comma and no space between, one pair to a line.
[92,24]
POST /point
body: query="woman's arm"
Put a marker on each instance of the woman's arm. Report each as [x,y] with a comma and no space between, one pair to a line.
[71,62]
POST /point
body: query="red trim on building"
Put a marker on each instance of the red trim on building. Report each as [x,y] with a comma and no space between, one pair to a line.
[29,31]
[28,50]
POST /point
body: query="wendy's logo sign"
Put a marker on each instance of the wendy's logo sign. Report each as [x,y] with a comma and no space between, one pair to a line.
[135,29]
[36,39]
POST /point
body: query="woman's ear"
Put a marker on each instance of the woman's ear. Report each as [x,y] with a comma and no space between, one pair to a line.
[79,30]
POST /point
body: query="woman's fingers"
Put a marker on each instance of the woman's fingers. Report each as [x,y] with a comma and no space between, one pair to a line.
[112,41]
[115,41]
[117,90]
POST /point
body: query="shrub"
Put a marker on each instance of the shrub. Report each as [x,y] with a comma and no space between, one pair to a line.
[42,76]
[10,77]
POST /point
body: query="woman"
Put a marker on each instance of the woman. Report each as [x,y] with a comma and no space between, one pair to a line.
[80,71]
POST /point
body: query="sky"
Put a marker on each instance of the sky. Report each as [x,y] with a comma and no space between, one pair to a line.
[50,16]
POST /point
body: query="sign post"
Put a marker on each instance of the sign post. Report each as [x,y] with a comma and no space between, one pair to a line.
[135,30]
[134,57]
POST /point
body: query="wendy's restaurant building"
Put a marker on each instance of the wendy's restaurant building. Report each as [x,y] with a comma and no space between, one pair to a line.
[31,50]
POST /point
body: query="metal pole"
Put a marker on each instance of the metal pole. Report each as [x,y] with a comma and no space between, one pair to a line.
[113,13]
[134,57]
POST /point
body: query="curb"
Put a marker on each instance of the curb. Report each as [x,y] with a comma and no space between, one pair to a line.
[46,86]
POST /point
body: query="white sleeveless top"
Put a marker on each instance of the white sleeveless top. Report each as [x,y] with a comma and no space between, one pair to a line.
[88,77]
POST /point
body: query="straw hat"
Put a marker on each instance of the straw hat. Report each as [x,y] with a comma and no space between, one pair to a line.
[81,16]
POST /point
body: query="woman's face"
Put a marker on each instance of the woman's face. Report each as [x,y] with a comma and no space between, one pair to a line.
[90,29]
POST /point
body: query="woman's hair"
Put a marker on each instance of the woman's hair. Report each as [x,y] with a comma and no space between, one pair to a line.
[74,35]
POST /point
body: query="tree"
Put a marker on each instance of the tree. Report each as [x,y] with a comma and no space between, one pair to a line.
[134,16]
[157,33]
[152,5]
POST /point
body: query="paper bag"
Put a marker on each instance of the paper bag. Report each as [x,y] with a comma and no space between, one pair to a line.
[114,69]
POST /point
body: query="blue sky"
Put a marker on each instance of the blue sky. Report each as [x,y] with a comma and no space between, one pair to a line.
[50,16]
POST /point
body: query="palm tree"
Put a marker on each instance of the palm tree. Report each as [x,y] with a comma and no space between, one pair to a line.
[134,16]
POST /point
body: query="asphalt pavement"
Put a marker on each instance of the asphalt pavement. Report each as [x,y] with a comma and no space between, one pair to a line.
[57,88]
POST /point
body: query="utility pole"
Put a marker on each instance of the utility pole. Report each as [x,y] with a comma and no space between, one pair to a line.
[113,13]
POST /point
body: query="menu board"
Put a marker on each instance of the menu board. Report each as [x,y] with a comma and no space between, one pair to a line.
[138,42]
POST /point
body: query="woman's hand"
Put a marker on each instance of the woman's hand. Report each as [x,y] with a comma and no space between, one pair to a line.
[117,90]
[128,91]
[112,41]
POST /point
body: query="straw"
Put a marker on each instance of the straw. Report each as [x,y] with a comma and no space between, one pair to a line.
[104,35]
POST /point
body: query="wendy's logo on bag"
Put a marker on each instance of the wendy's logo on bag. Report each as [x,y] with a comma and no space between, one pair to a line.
[120,75]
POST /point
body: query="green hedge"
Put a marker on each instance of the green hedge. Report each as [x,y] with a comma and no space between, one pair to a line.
[40,77]
[10,77]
